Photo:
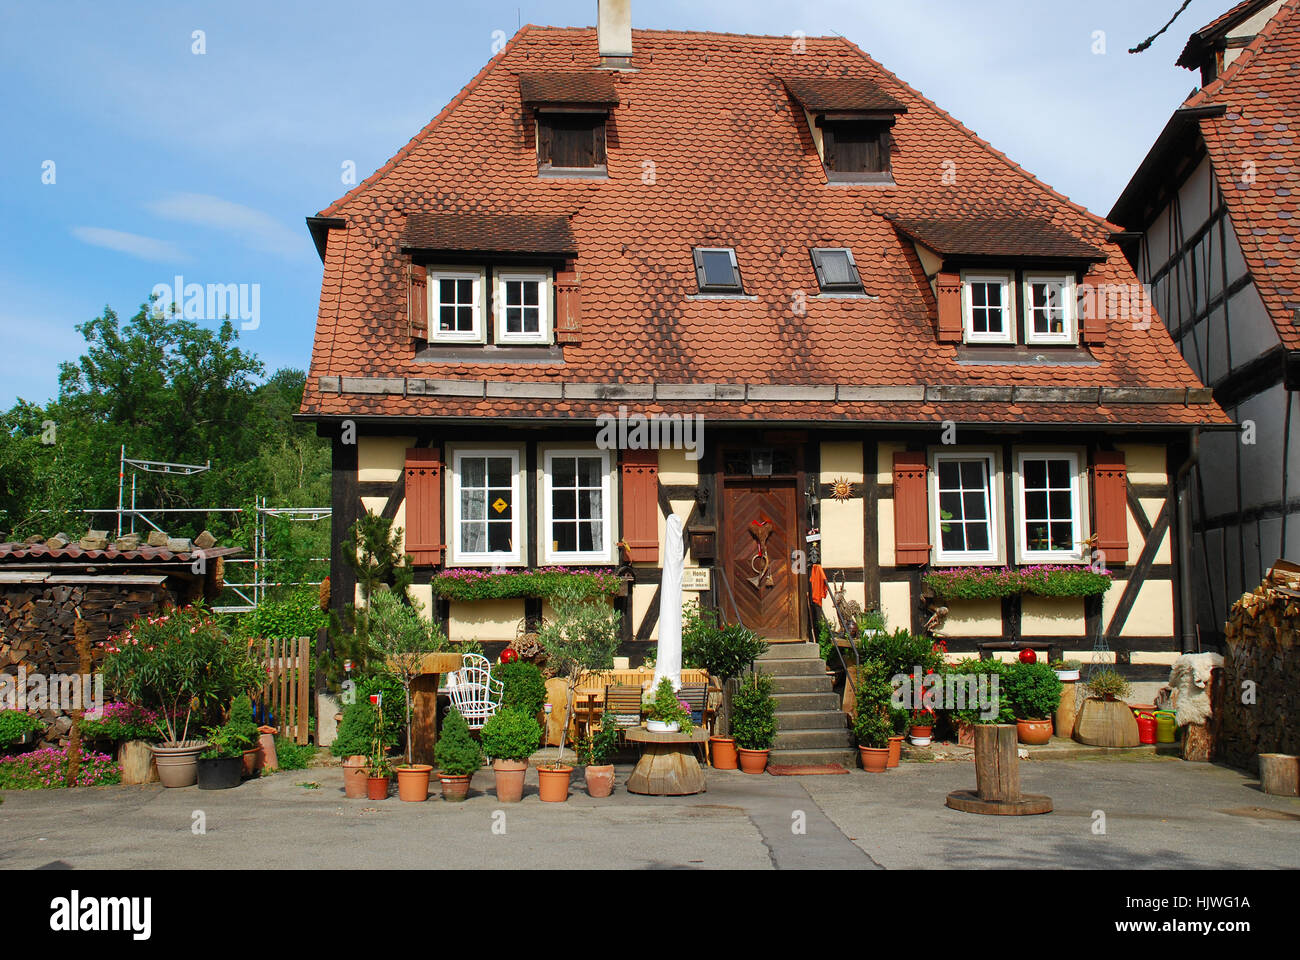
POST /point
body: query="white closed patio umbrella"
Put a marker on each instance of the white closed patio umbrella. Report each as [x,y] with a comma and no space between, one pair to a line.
[669,662]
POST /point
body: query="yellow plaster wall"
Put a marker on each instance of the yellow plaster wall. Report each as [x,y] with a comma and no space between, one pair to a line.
[896,604]
[485,619]
[381,458]
[1051,616]
[1153,611]
[973,618]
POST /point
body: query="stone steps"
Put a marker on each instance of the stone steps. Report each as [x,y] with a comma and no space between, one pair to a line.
[811,726]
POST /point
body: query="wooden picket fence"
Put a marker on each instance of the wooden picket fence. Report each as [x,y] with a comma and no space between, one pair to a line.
[285,698]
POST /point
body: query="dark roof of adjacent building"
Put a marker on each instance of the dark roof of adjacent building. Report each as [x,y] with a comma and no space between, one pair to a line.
[568,87]
[1204,39]
[826,95]
[40,553]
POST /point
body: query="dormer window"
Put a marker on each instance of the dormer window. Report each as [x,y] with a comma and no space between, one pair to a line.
[523,306]
[836,270]
[571,142]
[987,308]
[1049,308]
[856,149]
[456,299]
[716,270]
[572,108]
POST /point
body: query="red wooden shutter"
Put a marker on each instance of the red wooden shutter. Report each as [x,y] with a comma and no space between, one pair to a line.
[1093,310]
[417,303]
[424,505]
[568,307]
[911,509]
[948,293]
[641,504]
[1110,505]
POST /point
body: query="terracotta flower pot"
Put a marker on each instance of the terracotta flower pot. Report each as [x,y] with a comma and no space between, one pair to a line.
[178,763]
[509,776]
[413,782]
[553,782]
[895,750]
[1034,732]
[752,761]
[266,740]
[454,788]
[377,788]
[921,735]
[354,778]
[874,759]
[252,762]
[600,780]
[723,752]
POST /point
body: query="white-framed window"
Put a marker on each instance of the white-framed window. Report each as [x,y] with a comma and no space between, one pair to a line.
[576,506]
[486,506]
[987,308]
[964,494]
[455,306]
[1049,520]
[523,306]
[1050,308]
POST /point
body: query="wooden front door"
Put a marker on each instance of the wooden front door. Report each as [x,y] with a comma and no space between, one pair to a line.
[771,607]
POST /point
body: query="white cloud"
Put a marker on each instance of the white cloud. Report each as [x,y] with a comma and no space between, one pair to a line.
[259,230]
[132,244]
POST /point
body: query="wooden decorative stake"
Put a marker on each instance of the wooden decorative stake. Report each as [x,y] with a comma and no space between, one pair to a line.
[997,777]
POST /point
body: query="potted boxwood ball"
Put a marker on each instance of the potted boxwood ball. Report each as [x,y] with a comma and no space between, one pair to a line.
[753,722]
[458,755]
[509,738]
[873,730]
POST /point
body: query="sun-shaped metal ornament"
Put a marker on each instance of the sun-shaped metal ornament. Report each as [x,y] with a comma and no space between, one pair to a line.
[841,489]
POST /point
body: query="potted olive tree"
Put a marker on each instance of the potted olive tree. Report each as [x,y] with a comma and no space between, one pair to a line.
[581,637]
[509,738]
[596,752]
[1034,691]
[183,666]
[458,755]
[399,641]
[753,721]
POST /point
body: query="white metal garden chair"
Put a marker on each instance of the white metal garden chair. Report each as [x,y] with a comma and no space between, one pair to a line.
[474,691]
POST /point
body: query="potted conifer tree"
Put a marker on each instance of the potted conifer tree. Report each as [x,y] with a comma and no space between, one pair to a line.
[509,737]
[458,755]
[753,722]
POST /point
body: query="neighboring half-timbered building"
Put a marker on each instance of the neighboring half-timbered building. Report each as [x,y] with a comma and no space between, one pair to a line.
[1216,208]
[885,329]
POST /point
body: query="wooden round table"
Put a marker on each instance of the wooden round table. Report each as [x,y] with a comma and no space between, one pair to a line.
[667,767]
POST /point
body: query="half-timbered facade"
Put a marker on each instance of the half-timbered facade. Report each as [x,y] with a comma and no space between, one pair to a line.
[865,338]
[1213,209]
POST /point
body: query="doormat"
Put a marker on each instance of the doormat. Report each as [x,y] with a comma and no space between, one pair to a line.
[803,769]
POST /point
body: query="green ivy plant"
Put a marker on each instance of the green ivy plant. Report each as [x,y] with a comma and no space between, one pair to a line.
[753,713]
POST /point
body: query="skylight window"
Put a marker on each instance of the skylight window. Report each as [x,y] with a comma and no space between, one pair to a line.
[716,270]
[836,270]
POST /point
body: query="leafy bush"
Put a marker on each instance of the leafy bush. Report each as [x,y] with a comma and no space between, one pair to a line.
[753,713]
[181,664]
[524,686]
[583,636]
[393,696]
[663,705]
[872,729]
[597,749]
[545,582]
[297,614]
[48,769]
[723,650]
[14,725]
[240,725]
[457,753]
[120,721]
[983,583]
[356,730]
[1033,689]
[295,756]
[1106,683]
[510,735]
[992,670]
[899,652]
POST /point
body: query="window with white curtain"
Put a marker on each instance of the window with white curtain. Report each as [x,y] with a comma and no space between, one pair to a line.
[576,495]
[486,507]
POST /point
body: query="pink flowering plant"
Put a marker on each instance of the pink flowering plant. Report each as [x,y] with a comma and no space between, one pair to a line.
[48,768]
[474,584]
[1044,580]
[182,666]
[121,721]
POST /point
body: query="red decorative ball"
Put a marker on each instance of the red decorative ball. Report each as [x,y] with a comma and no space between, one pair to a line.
[1028,656]
[509,655]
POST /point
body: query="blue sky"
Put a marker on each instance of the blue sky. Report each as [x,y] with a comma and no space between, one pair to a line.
[170,162]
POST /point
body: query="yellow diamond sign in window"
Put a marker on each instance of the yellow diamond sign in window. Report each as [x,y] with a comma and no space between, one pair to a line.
[499,505]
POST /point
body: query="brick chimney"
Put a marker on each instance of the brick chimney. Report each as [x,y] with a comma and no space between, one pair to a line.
[614,32]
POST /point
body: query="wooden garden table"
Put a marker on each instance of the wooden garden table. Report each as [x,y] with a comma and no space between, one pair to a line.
[667,767]
[424,703]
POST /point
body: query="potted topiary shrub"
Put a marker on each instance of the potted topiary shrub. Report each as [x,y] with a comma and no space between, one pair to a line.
[724,651]
[244,730]
[595,752]
[509,738]
[219,766]
[753,721]
[873,729]
[353,743]
[458,755]
[523,686]
[664,712]
[1034,692]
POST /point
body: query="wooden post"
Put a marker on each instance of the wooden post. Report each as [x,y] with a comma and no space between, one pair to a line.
[424,717]
[1279,774]
[997,777]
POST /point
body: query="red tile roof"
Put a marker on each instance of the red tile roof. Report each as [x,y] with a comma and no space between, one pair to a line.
[40,553]
[488,233]
[705,150]
[1023,237]
[568,87]
[820,95]
[1255,150]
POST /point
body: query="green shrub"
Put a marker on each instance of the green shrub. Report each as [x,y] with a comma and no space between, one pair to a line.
[524,686]
[546,582]
[1033,689]
[595,750]
[394,704]
[872,729]
[753,713]
[240,726]
[899,652]
[14,725]
[723,650]
[510,735]
[994,670]
[357,730]
[295,756]
[297,614]
[457,753]
[664,706]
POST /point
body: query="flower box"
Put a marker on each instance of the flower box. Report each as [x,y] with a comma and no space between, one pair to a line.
[983,583]
[475,584]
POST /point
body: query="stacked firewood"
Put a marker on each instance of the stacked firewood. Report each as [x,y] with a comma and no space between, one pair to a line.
[1261,706]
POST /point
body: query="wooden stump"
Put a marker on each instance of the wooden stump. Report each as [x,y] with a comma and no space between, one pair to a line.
[424,717]
[1068,709]
[997,777]
[1199,738]
[666,770]
[137,763]
[1279,774]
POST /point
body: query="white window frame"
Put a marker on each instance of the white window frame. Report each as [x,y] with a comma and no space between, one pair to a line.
[543,279]
[994,554]
[1007,280]
[459,557]
[435,274]
[603,553]
[1078,506]
[1069,308]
